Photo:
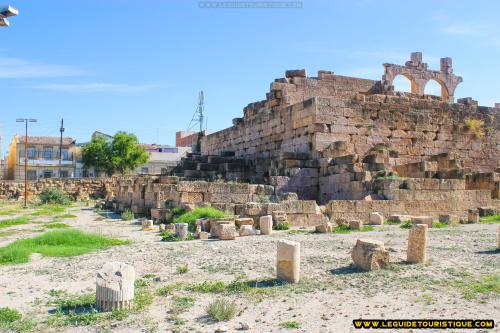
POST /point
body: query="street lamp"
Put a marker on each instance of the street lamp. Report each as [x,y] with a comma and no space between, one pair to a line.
[26,121]
[7,11]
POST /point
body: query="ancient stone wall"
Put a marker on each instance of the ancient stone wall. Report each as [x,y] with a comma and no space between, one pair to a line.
[78,188]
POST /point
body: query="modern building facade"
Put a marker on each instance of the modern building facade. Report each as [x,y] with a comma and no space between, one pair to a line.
[46,158]
[162,158]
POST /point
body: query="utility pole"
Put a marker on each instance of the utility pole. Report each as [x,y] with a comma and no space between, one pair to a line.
[60,147]
[26,121]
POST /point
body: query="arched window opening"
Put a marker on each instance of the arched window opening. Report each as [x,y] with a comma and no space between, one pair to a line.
[433,88]
[401,83]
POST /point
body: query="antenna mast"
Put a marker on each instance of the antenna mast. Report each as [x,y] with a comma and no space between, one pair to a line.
[198,116]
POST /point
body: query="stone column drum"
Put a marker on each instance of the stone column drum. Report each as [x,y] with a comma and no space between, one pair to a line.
[181,230]
[288,261]
[266,224]
[115,286]
[147,225]
[417,244]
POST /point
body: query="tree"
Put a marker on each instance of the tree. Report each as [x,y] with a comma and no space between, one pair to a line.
[97,154]
[126,153]
[122,155]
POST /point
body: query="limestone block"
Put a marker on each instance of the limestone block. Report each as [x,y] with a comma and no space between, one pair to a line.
[417,244]
[288,261]
[399,218]
[244,221]
[370,254]
[247,230]
[181,230]
[279,216]
[226,231]
[447,218]
[115,286]
[266,224]
[355,224]
[162,227]
[147,224]
[203,235]
[170,227]
[324,228]
[473,216]
[422,220]
[215,226]
[376,218]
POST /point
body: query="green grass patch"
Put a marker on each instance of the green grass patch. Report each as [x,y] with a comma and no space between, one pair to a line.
[198,213]
[14,221]
[490,219]
[300,232]
[67,216]
[127,215]
[169,289]
[282,226]
[406,224]
[440,225]
[290,325]
[392,222]
[56,225]
[221,310]
[169,236]
[48,210]
[7,233]
[11,320]
[366,228]
[341,229]
[483,286]
[181,303]
[56,243]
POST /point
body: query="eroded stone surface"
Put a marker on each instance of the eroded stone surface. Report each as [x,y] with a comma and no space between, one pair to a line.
[288,261]
[115,286]
[370,254]
[417,244]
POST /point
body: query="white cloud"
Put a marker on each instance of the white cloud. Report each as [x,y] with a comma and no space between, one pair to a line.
[94,87]
[20,68]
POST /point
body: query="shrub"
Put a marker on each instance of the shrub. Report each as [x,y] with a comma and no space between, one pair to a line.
[169,236]
[282,226]
[475,127]
[406,224]
[221,309]
[54,196]
[127,215]
[182,269]
[198,213]
[8,315]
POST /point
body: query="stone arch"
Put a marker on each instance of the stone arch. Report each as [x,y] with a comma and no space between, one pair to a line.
[444,93]
[418,74]
[409,79]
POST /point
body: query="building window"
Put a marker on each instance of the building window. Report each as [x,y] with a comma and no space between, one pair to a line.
[65,154]
[47,153]
[31,153]
[47,174]
[144,170]
[64,173]
[32,174]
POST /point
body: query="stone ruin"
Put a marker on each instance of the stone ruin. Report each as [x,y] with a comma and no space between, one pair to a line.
[330,148]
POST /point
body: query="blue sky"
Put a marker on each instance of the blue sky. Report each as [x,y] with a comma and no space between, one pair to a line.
[114,65]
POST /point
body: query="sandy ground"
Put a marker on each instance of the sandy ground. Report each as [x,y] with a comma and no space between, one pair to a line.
[328,298]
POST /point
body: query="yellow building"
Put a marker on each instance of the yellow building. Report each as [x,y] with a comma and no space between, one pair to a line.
[43,158]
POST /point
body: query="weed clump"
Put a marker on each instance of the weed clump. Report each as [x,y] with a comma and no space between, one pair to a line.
[127,215]
[221,309]
[56,196]
[198,213]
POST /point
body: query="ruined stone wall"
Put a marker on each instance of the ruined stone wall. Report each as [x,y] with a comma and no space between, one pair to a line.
[284,121]
[78,188]
[307,115]
[414,127]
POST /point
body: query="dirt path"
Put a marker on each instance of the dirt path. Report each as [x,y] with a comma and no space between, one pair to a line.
[329,297]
